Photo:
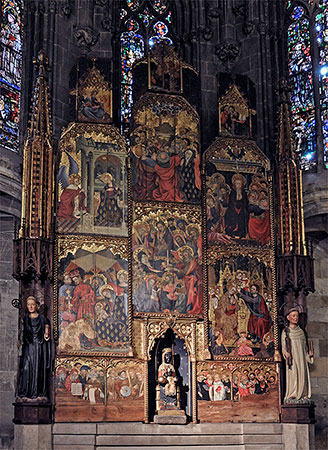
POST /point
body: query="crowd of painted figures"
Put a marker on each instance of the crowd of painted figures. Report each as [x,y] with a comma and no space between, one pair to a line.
[213,386]
[93,310]
[95,385]
[167,274]
[233,212]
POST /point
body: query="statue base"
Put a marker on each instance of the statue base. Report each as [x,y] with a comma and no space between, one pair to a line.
[32,413]
[171,417]
[297,413]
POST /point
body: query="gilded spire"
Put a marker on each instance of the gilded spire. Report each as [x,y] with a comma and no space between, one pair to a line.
[291,220]
[38,160]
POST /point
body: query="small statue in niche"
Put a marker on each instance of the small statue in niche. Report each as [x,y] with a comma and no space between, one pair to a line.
[297,355]
[35,359]
[167,390]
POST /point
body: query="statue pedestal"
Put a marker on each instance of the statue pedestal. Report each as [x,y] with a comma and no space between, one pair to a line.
[171,417]
[298,413]
[32,413]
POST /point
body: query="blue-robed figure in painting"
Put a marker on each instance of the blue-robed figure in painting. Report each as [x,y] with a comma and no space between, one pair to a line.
[111,319]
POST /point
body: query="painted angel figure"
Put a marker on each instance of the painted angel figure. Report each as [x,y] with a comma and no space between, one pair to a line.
[72,200]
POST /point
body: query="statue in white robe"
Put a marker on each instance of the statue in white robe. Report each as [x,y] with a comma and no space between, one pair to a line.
[297,356]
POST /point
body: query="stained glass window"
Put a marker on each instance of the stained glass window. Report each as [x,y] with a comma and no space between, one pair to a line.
[144,24]
[10,71]
[308,77]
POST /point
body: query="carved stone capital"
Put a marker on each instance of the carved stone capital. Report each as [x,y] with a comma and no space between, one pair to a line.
[67,8]
[228,52]
[249,27]
[107,24]
[207,34]
[86,37]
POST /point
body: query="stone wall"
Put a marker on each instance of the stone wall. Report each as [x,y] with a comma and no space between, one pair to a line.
[8,335]
[318,333]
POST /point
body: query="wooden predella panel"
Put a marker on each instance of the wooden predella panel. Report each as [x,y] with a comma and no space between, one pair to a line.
[92,181]
[165,150]
[96,390]
[237,392]
[93,309]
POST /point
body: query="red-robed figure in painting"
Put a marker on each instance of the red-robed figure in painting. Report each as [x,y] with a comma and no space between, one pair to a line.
[72,200]
[167,182]
[192,277]
[259,218]
[259,321]
[84,298]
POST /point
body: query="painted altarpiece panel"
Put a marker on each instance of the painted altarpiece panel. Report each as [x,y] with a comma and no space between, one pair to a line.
[99,389]
[92,92]
[238,189]
[164,70]
[92,296]
[167,260]
[235,114]
[240,258]
[92,181]
[239,391]
[165,150]
[241,307]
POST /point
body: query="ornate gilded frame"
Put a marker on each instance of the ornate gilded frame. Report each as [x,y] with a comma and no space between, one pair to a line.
[234,154]
[71,243]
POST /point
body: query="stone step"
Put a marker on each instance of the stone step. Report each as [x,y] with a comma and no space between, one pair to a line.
[138,436]
[170,440]
[138,428]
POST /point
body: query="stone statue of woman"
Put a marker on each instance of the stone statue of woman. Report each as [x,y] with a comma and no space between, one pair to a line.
[297,355]
[35,360]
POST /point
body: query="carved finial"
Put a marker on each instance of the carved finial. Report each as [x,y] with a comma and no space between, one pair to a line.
[43,63]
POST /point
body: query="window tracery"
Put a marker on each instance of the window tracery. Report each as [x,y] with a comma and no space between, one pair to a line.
[143,25]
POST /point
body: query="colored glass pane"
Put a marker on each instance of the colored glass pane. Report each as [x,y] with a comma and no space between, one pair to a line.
[159,5]
[123,13]
[302,93]
[299,47]
[156,40]
[9,116]
[132,25]
[325,136]
[146,17]
[305,144]
[133,4]
[298,12]
[132,49]
[10,42]
[161,29]
[169,17]
[10,71]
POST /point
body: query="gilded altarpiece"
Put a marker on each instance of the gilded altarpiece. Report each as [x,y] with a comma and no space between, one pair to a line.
[241,278]
[165,150]
[167,260]
[92,181]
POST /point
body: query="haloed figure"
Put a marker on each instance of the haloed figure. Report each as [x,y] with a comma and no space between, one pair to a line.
[35,360]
